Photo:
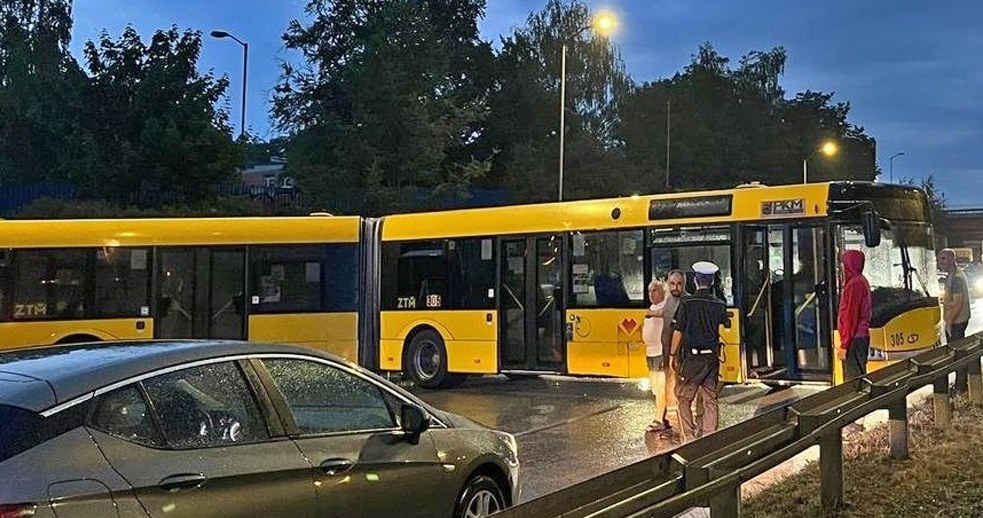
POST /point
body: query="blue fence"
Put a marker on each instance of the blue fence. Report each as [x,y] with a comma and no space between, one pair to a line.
[14,197]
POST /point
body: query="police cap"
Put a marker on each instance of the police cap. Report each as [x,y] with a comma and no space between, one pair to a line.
[705,267]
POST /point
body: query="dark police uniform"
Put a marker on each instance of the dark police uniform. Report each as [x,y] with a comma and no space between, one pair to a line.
[699,319]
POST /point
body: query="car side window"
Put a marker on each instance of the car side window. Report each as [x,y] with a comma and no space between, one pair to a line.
[124,413]
[206,406]
[326,399]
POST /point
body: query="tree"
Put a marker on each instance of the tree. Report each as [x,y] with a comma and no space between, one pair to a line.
[390,100]
[733,125]
[523,127]
[151,120]
[40,85]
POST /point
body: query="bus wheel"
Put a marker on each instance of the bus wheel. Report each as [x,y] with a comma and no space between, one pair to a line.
[426,361]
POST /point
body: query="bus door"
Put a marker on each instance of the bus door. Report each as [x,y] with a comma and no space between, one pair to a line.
[201,293]
[785,303]
[531,307]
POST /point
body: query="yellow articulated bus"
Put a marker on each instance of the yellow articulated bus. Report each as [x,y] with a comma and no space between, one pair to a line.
[290,280]
[556,287]
[560,287]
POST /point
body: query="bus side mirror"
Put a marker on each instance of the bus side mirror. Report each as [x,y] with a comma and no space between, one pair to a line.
[872,228]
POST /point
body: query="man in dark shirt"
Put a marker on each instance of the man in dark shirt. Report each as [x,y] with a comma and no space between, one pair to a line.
[696,349]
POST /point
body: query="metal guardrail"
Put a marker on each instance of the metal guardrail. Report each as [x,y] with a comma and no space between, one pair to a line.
[710,471]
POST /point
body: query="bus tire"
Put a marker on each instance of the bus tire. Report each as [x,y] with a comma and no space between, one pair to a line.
[426,360]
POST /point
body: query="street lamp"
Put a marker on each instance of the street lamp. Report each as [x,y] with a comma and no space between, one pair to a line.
[604,23]
[891,162]
[829,148]
[245,63]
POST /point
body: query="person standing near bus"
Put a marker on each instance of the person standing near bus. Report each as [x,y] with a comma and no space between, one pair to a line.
[677,291]
[955,306]
[652,336]
[696,349]
[853,317]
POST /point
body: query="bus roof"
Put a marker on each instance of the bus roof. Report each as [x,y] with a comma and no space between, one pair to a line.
[178,231]
[674,209]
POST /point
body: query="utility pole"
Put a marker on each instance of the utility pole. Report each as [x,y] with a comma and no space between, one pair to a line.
[668,133]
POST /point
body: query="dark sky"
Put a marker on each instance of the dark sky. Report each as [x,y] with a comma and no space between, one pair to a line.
[910,69]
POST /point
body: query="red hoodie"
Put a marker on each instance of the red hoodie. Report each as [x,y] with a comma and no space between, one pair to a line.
[854,314]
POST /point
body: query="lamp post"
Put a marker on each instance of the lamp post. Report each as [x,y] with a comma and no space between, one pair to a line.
[604,23]
[829,148]
[891,163]
[245,64]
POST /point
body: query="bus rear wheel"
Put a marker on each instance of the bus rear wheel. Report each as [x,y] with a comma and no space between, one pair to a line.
[426,361]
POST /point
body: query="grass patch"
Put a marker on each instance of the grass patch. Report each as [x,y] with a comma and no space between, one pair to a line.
[943,477]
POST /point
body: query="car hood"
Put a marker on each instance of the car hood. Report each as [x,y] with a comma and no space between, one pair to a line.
[458,421]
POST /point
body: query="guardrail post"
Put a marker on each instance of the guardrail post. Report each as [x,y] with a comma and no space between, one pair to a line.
[898,416]
[975,383]
[943,407]
[831,469]
[726,503]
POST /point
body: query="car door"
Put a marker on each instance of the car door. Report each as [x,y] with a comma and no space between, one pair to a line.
[195,442]
[345,424]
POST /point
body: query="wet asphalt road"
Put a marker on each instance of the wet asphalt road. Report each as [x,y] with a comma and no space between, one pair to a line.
[570,430]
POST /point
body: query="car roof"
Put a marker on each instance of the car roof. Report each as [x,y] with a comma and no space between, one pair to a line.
[38,378]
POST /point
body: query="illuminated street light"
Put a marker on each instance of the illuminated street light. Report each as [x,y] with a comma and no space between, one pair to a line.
[828,148]
[603,24]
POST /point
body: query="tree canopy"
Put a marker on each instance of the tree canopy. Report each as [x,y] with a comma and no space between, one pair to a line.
[395,97]
[138,116]
[396,105]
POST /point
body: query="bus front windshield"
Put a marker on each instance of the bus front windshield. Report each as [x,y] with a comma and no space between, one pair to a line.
[901,270]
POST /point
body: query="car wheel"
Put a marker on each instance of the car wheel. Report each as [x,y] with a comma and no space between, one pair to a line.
[426,360]
[481,497]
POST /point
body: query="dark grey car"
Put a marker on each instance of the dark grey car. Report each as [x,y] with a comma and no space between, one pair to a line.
[207,428]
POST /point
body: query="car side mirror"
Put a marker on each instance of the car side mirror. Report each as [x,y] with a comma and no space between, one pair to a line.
[872,228]
[414,421]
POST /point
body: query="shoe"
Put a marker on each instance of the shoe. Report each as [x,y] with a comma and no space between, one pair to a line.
[669,435]
[656,426]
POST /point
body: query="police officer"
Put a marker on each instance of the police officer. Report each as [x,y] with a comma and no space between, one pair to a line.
[696,351]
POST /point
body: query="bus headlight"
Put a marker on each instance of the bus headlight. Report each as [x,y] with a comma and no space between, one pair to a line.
[876,355]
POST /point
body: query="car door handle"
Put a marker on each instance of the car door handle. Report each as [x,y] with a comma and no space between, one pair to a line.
[336,466]
[183,481]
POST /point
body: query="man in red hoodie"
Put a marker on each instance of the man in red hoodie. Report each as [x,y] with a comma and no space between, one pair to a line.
[853,321]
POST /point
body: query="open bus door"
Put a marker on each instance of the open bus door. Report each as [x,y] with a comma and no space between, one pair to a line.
[786,303]
[531,308]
